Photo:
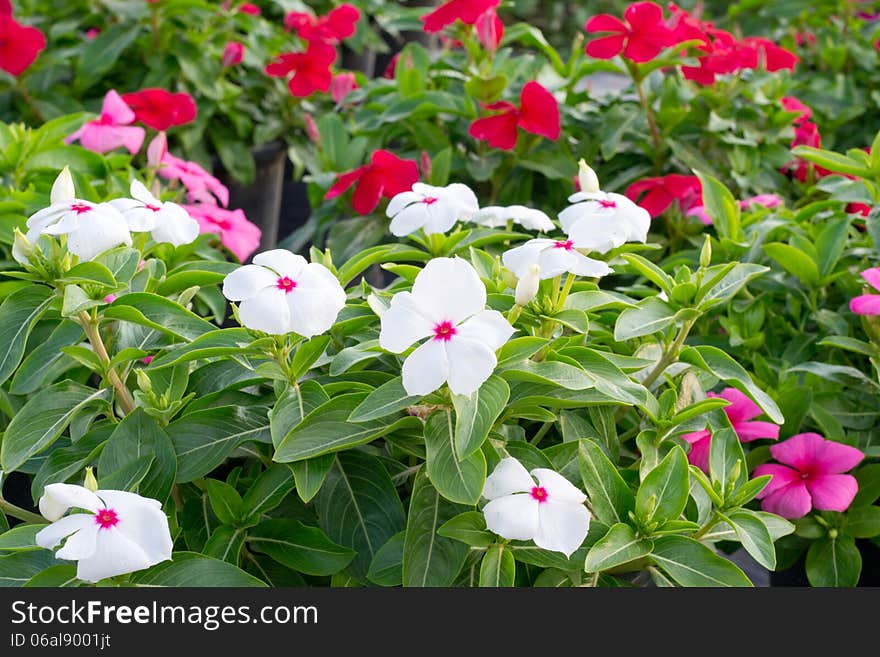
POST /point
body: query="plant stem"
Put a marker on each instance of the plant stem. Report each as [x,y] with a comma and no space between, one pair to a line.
[24,515]
[566,288]
[670,355]
[702,531]
[90,326]
[26,95]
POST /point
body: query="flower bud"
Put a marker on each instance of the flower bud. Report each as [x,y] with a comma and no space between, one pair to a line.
[706,253]
[144,382]
[90,482]
[587,178]
[62,188]
[527,287]
[22,249]
[312,128]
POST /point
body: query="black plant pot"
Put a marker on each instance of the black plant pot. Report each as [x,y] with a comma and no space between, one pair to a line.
[261,199]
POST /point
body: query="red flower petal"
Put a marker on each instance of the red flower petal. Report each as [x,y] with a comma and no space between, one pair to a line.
[606,23]
[643,15]
[160,109]
[539,111]
[606,47]
[498,130]
[19,45]
[344,181]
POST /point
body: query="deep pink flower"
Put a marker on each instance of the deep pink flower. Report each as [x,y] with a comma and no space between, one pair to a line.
[859,208]
[111,129]
[342,85]
[236,233]
[233,53]
[792,104]
[806,134]
[868,304]
[249,8]
[5,8]
[92,33]
[815,478]
[640,37]
[312,128]
[146,360]
[467,11]
[741,413]
[19,44]
[386,175]
[538,113]
[766,200]
[661,192]
[160,109]
[340,23]
[201,186]
[771,55]
[311,69]
[490,30]
[391,68]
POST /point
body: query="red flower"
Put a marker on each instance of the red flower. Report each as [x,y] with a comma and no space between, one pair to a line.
[386,175]
[773,56]
[662,191]
[249,8]
[391,69]
[19,44]
[233,53]
[160,109]
[792,104]
[339,24]
[467,11]
[5,8]
[640,37]
[806,134]
[538,113]
[311,69]
[490,30]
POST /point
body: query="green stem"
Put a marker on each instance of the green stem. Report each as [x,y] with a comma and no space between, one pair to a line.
[541,433]
[29,101]
[702,531]
[24,515]
[670,355]
[90,326]
[566,288]
[649,114]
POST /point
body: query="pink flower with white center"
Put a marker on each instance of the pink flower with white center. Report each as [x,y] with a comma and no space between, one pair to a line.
[553,257]
[111,129]
[549,511]
[236,232]
[90,228]
[741,413]
[342,85]
[433,209]
[812,477]
[282,293]
[166,221]
[119,533]
[868,304]
[447,304]
[200,185]
[495,216]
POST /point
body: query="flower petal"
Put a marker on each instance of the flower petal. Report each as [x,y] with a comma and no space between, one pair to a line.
[115,554]
[282,261]
[865,304]
[58,498]
[513,517]
[508,477]
[588,229]
[400,201]
[489,327]
[781,475]
[449,289]
[749,431]
[792,501]
[562,526]
[142,520]
[409,219]
[832,492]
[700,441]
[266,311]
[316,301]
[741,407]
[51,536]
[833,458]
[558,487]
[471,362]
[246,282]
[873,277]
[81,544]
[799,451]
[425,369]
[403,323]
[520,259]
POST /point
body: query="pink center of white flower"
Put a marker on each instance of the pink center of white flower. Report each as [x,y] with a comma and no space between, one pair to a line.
[444,331]
[106,518]
[286,283]
[429,200]
[539,493]
[80,208]
[607,204]
[567,245]
[154,208]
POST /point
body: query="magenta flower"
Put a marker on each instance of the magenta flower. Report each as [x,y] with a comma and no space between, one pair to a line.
[815,479]
[236,233]
[741,412]
[233,53]
[111,129]
[200,185]
[868,304]
[342,85]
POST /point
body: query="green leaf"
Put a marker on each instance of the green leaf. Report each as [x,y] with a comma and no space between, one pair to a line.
[306,355]
[469,528]
[610,498]
[60,576]
[222,342]
[754,536]
[517,351]
[619,546]
[225,544]
[90,273]
[428,558]
[379,254]
[690,563]
[663,493]
[292,406]
[861,522]
[832,161]
[714,293]
[100,54]
[310,475]
[834,562]
[18,314]
[304,549]
[386,568]
[458,480]
[359,508]
[794,261]
[18,567]
[476,414]
[46,361]
[189,569]
[649,316]
[267,491]
[727,463]
[21,537]
[721,207]
[43,418]
[830,244]
[158,313]
[498,568]
[717,362]
[388,398]
[553,373]
[650,271]
[225,501]
[748,491]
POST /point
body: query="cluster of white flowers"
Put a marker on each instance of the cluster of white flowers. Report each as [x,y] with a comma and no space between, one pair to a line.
[92,228]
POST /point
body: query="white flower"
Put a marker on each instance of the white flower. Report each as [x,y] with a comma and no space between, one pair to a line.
[91,228]
[550,512]
[601,221]
[282,293]
[167,222]
[553,257]
[447,304]
[495,216]
[120,533]
[434,209]
[527,286]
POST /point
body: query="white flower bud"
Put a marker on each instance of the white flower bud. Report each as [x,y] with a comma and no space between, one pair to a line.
[62,189]
[587,178]
[527,287]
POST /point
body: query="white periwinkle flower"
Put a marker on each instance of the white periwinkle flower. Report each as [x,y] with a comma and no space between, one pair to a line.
[433,209]
[118,533]
[550,512]
[553,257]
[167,222]
[282,293]
[91,228]
[495,216]
[448,305]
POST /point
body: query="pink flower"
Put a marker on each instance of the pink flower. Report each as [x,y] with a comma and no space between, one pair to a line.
[110,298]
[538,113]
[312,128]
[767,200]
[490,30]
[342,85]
[146,360]
[236,233]
[814,480]
[868,304]
[792,104]
[639,37]
[111,129]
[741,412]
[249,8]
[233,53]
[156,150]
[200,184]
[92,33]
[391,68]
